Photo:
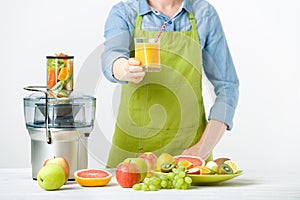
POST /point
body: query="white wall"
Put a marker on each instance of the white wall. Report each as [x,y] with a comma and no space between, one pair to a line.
[263,37]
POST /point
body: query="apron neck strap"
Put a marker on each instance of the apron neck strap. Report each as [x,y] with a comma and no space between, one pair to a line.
[192,21]
[138,23]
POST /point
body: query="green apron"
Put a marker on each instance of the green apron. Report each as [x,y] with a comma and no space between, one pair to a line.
[164,112]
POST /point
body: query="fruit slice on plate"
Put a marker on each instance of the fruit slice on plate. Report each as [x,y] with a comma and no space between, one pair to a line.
[194,160]
[204,170]
[200,170]
[167,167]
[92,177]
[193,170]
[187,164]
[225,169]
[233,165]
[163,159]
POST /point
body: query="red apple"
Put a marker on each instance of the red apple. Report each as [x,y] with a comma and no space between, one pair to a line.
[150,159]
[62,162]
[128,174]
[142,165]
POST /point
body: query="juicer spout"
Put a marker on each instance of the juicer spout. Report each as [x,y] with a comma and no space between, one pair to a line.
[49,139]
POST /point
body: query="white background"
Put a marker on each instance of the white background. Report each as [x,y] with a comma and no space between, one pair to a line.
[263,36]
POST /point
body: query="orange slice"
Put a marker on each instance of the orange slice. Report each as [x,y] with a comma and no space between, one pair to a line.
[187,164]
[63,74]
[204,170]
[61,54]
[92,177]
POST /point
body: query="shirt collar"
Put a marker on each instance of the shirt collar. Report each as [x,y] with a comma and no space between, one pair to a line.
[144,7]
[187,5]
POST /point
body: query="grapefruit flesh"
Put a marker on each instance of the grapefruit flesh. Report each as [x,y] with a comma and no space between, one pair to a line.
[194,160]
[92,177]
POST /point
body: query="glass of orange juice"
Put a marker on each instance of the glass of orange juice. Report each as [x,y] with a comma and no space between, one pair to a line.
[147,51]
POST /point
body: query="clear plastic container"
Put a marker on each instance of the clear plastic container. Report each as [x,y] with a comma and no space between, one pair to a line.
[60,75]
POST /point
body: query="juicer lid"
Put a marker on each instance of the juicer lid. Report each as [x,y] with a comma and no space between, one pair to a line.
[75,111]
[60,57]
[73,95]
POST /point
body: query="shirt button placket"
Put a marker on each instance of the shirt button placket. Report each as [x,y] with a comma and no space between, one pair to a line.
[171,24]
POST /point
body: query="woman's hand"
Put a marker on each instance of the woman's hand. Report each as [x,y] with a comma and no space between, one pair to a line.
[128,70]
[211,136]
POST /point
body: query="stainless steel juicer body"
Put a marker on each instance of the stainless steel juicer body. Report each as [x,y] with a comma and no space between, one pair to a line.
[70,144]
[59,127]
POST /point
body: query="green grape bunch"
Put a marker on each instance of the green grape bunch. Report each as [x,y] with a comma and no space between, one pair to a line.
[177,179]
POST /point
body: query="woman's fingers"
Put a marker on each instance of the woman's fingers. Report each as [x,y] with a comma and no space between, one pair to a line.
[137,73]
[134,62]
[137,77]
[135,69]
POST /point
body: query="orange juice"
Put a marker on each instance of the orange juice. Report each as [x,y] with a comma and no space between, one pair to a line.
[147,51]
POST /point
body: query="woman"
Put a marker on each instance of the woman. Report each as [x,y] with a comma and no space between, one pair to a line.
[164,112]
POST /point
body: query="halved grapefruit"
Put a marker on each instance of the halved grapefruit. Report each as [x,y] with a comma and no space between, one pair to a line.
[194,160]
[92,177]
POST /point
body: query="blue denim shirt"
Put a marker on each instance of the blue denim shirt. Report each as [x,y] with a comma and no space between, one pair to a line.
[217,62]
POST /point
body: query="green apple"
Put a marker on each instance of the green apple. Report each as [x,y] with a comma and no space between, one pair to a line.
[141,163]
[51,177]
[62,162]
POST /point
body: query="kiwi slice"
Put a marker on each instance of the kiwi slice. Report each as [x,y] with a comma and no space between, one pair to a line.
[167,167]
[225,169]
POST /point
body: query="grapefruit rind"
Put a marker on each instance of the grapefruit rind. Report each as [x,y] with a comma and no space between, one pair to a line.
[92,180]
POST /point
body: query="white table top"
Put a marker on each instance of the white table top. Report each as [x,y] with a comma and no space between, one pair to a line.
[18,184]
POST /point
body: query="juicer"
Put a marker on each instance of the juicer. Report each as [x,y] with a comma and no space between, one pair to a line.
[59,127]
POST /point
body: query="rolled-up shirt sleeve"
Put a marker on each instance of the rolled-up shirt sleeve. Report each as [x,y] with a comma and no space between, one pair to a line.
[220,70]
[117,40]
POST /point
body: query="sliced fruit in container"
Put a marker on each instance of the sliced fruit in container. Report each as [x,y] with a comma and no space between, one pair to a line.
[63,74]
[52,78]
[69,83]
[58,86]
[92,177]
